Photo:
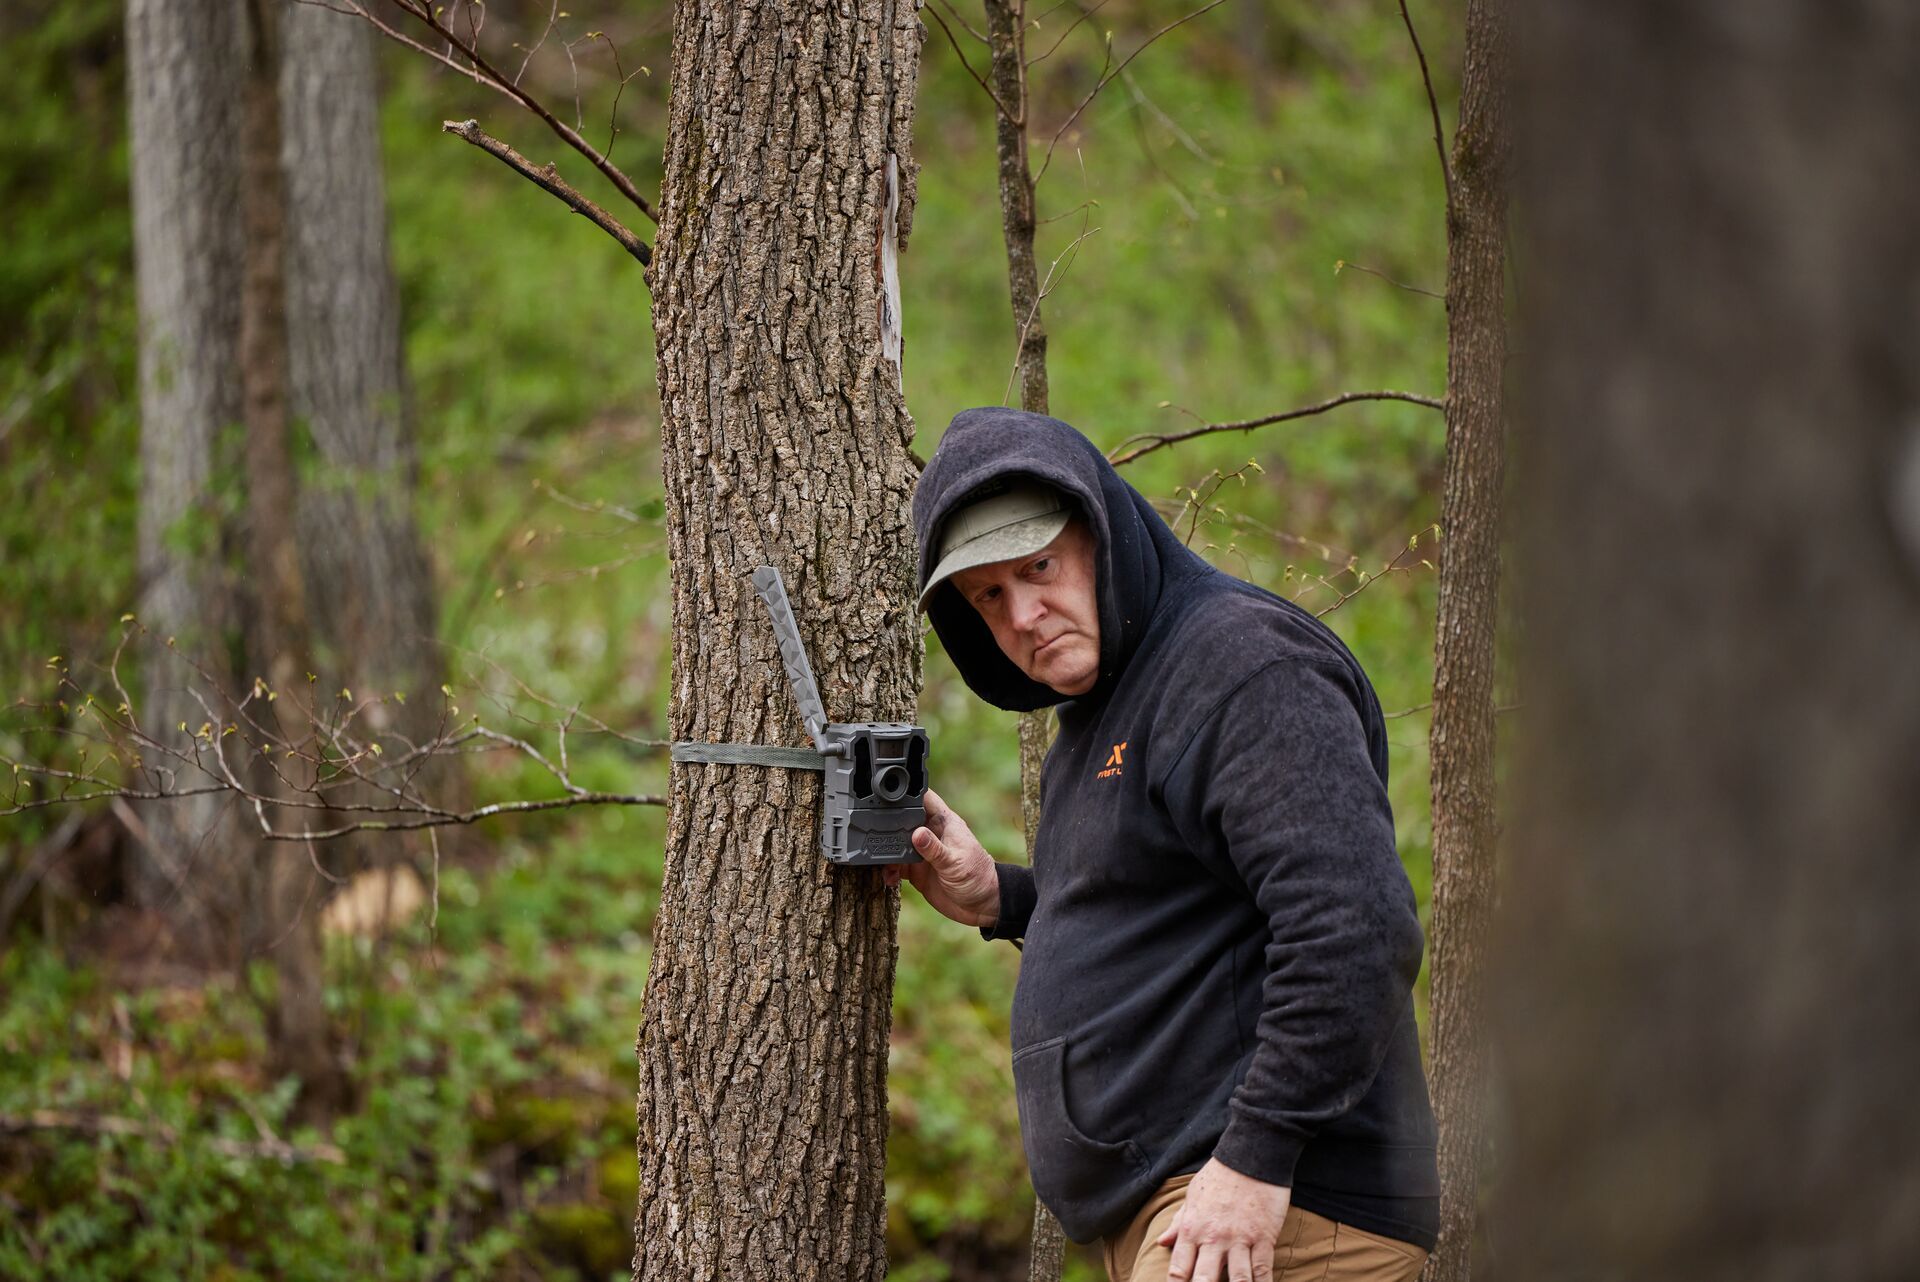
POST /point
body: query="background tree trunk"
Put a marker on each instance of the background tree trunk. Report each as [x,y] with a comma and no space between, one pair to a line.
[763,1047]
[284,921]
[1714,1037]
[1462,737]
[1007,73]
[186,61]
[362,553]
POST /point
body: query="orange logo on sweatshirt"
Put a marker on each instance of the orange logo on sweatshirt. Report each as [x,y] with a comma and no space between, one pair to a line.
[1115,760]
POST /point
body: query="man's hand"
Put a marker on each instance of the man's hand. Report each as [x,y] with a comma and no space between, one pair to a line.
[1226,1229]
[958,877]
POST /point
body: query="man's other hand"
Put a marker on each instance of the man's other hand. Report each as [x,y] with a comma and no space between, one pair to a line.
[957,878]
[1226,1229]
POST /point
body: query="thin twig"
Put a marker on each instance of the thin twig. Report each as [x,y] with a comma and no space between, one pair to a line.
[1160,442]
[1433,105]
[1341,264]
[964,24]
[978,79]
[549,178]
[1422,707]
[482,72]
[1107,78]
[1085,13]
[553,11]
[1046,287]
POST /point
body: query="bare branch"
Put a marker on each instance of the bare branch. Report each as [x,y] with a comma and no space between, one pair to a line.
[548,177]
[332,755]
[1433,105]
[483,72]
[1341,264]
[1159,442]
[1107,77]
[1399,565]
[978,79]
[1085,13]
[964,24]
[1046,287]
[553,14]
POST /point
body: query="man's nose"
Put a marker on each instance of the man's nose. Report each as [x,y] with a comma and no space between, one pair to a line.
[1028,608]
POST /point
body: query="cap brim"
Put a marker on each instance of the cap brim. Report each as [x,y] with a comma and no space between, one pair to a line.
[1021,538]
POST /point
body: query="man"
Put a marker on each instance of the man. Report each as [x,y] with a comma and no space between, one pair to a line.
[1215,1057]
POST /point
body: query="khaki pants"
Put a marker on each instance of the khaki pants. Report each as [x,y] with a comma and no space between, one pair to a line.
[1311,1248]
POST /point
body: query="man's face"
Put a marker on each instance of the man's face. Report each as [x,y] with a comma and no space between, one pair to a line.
[1042,609]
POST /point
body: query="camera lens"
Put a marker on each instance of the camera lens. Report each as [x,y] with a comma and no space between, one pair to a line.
[890,783]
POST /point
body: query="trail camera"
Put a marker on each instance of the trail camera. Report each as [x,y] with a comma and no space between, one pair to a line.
[876,771]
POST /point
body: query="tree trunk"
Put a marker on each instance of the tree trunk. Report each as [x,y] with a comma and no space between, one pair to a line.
[763,1047]
[376,621]
[1007,73]
[186,62]
[1711,895]
[1462,735]
[285,923]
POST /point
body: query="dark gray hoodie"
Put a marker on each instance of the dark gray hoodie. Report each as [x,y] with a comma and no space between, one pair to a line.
[1220,942]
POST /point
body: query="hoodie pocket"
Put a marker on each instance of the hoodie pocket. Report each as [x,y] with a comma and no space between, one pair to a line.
[1082,1180]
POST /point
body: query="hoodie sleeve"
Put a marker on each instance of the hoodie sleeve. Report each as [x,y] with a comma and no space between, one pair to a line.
[1016,902]
[1276,788]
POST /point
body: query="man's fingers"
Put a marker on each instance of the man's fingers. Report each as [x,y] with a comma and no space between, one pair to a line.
[1210,1265]
[938,811]
[1263,1261]
[1240,1262]
[931,848]
[890,875]
[1181,1269]
[1172,1234]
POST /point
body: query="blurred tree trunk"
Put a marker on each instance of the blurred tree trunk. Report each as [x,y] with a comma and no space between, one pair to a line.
[763,1047]
[284,923]
[1462,737]
[1007,73]
[362,554]
[186,70]
[1714,1038]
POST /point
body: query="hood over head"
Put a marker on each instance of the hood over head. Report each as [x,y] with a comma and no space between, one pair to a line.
[1136,556]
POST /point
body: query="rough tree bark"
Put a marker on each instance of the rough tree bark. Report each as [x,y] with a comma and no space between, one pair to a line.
[1007,73]
[1462,736]
[762,1109]
[185,80]
[1714,1039]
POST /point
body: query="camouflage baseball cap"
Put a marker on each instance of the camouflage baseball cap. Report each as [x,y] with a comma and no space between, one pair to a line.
[1017,521]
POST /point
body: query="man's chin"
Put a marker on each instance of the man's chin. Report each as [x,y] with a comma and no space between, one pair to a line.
[1063,675]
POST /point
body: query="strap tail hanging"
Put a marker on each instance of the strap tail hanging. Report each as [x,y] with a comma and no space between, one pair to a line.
[793,653]
[793,656]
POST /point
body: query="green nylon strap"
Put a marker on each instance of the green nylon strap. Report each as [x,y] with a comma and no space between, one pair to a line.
[748,754]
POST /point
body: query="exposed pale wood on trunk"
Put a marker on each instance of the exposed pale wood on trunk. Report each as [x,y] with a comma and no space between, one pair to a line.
[763,1049]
